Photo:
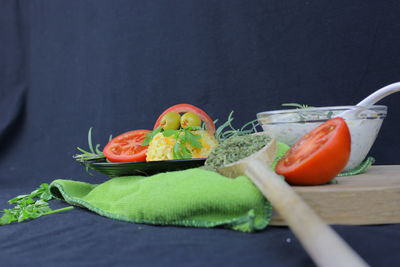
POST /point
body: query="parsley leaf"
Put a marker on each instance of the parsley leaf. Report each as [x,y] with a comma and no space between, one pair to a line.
[30,206]
[168,133]
[177,151]
[149,136]
[193,139]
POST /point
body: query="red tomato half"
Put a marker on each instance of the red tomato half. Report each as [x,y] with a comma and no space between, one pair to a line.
[127,147]
[182,108]
[319,156]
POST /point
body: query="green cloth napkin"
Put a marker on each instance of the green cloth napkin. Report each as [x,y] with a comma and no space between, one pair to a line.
[194,197]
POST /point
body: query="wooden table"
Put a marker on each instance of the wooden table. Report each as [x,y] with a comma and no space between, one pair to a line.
[369,198]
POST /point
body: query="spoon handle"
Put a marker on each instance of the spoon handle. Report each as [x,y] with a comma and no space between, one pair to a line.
[324,246]
[379,94]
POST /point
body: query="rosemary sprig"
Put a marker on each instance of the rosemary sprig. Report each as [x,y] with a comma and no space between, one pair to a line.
[302,106]
[93,153]
[29,207]
[227,130]
[296,105]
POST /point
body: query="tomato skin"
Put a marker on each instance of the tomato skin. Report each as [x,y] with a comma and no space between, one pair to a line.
[181,108]
[127,147]
[310,163]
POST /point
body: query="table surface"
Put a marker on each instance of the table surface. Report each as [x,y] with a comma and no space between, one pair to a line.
[82,238]
[369,198]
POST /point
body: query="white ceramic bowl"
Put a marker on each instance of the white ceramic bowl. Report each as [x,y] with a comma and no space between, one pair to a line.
[289,125]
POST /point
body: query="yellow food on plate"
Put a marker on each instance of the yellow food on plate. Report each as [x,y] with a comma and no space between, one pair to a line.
[161,147]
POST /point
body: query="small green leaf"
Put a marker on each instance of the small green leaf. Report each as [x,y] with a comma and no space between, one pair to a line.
[149,136]
[146,141]
[176,151]
[82,150]
[93,153]
[98,151]
[186,154]
[7,218]
[29,206]
[46,196]
[168,133]
[90,140]
[301,106]
[193,140]
[16,199]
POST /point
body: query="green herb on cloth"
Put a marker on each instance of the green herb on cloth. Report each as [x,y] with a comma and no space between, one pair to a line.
[30,206]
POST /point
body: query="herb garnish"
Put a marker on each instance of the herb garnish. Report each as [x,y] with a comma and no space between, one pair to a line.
[183,137]
[296,105]
[316,113]
[30,206]
[93,153]
[149,136]
[223,133]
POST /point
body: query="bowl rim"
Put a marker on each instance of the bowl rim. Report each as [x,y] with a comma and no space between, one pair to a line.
[382,108]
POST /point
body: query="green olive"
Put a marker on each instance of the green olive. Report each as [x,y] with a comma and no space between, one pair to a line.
[190,119]
[171,121]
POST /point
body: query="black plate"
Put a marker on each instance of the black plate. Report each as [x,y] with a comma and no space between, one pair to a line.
[115,169]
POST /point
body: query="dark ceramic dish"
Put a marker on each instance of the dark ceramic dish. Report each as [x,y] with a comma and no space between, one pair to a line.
[115,169]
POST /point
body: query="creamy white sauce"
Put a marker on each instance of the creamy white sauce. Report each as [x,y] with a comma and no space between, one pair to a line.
[363,134]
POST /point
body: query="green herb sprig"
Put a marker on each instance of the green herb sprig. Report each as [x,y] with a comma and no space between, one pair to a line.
[183,137]
[93,153]
[30,206]
[296,105]
[149,136]
[226,130]
[320,115]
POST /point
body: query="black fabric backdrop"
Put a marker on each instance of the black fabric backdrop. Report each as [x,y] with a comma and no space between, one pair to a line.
[115,65]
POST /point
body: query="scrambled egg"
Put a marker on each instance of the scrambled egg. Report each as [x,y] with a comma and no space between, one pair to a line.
[161,147]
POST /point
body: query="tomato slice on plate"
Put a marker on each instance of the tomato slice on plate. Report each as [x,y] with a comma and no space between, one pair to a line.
[127,147]
[182,108]
[319,156]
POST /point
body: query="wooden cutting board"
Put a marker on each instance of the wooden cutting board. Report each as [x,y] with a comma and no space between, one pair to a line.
[369,198]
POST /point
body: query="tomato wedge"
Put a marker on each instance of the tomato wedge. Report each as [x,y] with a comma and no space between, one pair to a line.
[127,147]
[319,156]
[181,108]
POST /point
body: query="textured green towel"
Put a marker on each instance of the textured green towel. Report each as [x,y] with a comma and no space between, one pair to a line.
[194,197]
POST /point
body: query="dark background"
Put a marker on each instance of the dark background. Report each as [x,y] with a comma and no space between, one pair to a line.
[115,65]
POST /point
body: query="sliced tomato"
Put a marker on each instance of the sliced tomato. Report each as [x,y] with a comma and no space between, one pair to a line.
[182,108]
[127,147]
[319,156]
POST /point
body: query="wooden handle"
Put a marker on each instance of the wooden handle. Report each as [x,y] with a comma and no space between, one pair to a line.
[323,245]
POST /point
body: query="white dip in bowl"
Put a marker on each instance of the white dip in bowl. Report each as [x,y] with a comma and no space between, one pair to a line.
[289,125]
